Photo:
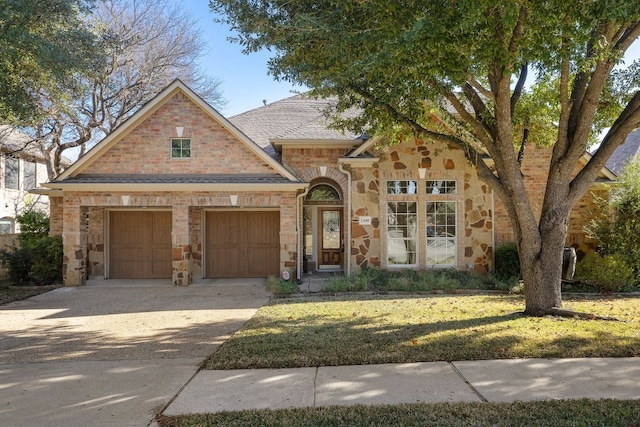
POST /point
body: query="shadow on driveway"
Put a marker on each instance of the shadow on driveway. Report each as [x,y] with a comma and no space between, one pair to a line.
[113,352]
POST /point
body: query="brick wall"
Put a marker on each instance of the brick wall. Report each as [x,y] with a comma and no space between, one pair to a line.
[90,258]
[535,168]
[146,149]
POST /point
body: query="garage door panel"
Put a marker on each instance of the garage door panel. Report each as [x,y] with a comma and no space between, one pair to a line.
[140,245]
[242,244]
[261,258]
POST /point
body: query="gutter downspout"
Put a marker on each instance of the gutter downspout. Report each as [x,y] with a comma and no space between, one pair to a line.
[347,247]
[300,255]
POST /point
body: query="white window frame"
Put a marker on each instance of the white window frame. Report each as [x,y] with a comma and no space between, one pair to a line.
[439,236]
[398,246]
[181,148]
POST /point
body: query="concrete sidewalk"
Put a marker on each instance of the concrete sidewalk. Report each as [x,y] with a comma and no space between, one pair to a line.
[477,381]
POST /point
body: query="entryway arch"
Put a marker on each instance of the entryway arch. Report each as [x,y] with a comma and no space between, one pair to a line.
[323,222]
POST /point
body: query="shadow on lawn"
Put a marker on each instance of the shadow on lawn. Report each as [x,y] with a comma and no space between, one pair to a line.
[368,339]
[361,340]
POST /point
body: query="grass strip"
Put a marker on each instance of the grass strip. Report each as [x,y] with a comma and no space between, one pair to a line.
[556,413]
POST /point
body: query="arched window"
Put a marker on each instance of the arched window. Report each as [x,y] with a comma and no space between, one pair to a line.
[6,225]
[323,193]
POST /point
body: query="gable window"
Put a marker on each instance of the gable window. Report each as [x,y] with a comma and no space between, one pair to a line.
[180,148]
[11,173]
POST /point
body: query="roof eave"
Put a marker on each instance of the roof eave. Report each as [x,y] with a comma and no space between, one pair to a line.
[175,187]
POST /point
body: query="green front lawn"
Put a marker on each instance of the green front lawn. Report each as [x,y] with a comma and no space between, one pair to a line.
[559,413]
[352,330]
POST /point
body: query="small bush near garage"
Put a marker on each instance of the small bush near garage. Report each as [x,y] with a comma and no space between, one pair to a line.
[278,286]
[38,259]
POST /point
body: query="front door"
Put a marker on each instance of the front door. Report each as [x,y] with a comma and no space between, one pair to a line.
[330,239]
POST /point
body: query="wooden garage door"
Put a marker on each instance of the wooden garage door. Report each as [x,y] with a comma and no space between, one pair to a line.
[140,245]
[242,244]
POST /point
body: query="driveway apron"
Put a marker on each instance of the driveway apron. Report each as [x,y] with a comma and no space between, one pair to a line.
[113,352]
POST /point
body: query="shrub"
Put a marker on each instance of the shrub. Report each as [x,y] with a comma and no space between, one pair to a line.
[47,258]
[507,262]
[39,257]
[33,225]
[278,286]
[616,223]
[19,263]
[414,281]
[609,273]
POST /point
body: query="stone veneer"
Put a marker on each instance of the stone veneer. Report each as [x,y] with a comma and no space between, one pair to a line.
[401,162]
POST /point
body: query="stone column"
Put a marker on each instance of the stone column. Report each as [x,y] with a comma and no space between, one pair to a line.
[74,240]
[181,252]
[288,236]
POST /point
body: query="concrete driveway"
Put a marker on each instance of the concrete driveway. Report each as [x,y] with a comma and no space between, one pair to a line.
[113,352]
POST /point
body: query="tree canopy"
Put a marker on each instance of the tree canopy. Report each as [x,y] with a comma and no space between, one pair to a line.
[141,46]
[42,42]
[480,75]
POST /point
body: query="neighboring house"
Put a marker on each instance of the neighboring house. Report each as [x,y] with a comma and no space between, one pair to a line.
[22,168]
[180,192]
[625,153]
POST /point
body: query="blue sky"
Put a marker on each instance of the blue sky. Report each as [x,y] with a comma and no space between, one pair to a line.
[245,82]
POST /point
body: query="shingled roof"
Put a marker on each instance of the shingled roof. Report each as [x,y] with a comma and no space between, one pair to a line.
[299,117]
[625,152]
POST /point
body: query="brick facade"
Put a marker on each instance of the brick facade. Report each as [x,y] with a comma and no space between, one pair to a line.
[534,168]
[476,224]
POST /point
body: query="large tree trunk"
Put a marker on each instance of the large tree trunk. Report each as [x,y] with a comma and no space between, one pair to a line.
[542,274]
[541,254]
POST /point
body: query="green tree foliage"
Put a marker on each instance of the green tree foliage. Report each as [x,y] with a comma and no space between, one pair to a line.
[455,72]
[617,226]
[42,42]
[33,224]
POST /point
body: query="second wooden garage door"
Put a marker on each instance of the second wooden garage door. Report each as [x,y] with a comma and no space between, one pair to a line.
[242,244]
[140,245]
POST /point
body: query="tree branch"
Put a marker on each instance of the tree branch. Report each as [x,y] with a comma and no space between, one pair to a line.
[517,91]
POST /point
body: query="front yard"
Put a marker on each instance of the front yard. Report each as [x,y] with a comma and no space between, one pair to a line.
[352,330]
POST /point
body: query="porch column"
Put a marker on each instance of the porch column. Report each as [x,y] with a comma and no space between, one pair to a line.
[288,236]
[55,216]
[74,241]
[181,251]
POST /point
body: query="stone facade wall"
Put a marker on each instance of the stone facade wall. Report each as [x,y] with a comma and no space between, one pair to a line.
[401,162]
[535,168]
[146,149]
[365,239]
[474,223]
